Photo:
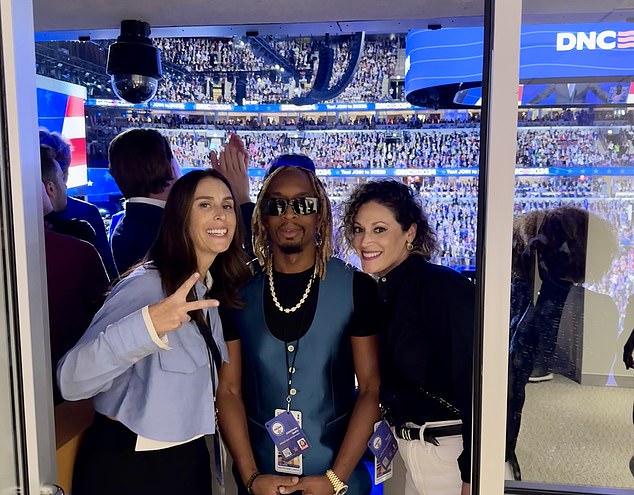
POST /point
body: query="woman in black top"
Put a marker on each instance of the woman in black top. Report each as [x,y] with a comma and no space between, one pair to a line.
[426,336]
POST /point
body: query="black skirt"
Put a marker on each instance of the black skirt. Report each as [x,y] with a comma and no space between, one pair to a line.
[107,464]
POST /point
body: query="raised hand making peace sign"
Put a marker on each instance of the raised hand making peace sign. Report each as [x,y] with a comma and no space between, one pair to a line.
[146,388]
[169,314]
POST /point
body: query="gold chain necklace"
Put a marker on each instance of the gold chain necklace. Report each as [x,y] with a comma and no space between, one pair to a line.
[274,296]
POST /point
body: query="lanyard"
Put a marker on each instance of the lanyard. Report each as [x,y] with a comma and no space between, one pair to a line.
[212,347]
[201,318]
[215,361]
[213,353]
[293,349]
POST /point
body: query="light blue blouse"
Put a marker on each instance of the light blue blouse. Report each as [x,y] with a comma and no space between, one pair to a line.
[162,392]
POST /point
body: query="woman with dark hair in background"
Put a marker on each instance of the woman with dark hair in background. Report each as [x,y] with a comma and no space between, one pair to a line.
[151,354]
[525,228]
[426,336]
[557,251]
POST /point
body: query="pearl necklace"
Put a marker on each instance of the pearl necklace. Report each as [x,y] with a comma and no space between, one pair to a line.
[274,296]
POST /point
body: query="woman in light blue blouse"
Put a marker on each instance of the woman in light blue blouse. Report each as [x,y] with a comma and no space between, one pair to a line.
[150,356]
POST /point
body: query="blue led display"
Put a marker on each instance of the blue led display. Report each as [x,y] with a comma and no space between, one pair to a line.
[573,58]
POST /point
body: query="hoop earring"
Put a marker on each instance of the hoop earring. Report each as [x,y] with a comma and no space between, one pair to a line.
[409,246]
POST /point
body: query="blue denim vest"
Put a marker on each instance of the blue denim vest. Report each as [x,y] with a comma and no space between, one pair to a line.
[324,376]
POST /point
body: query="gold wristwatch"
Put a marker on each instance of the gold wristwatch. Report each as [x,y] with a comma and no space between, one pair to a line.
[339,486]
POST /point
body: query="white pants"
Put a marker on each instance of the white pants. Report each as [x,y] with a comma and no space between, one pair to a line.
[432,469]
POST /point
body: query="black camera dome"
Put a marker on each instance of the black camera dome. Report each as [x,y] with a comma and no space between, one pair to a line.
[134,64]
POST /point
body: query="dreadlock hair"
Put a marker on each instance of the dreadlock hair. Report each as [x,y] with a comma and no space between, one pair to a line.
[323,237]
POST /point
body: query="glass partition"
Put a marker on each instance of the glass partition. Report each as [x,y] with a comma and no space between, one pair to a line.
[355,132]
[570,417]
[11,460]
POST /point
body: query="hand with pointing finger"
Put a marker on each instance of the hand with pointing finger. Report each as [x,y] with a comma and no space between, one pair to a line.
[169,314]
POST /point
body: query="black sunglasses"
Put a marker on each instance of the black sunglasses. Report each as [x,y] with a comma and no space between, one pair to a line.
[276,207]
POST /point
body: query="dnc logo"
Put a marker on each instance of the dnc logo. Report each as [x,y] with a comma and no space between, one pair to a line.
[604,40]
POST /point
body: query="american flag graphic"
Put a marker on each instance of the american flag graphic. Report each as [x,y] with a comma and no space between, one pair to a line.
[625,39]
[61,109]
[74,129]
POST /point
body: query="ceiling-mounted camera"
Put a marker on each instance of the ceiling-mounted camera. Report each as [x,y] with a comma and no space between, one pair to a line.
[134,64]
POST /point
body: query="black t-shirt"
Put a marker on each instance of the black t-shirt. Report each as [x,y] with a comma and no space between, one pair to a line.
[289,288]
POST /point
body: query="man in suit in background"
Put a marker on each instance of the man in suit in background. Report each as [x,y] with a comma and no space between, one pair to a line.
[570,93]
[76,279]
[77,209]
[144,168]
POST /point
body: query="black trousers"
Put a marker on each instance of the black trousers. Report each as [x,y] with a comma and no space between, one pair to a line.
[107,464]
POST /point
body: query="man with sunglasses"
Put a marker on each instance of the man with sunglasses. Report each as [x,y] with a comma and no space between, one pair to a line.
[305,331]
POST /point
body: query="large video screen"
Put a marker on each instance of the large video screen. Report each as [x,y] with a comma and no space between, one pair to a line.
[560,94]
[560,64]
[60,108]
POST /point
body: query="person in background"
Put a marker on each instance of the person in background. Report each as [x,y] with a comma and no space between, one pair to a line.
[75,278]
[114,220]
[570,94]
[426,336]
[142,165]
[305,331]
[55,188]
[144,168]
[77,209]
[523,280]
[563,248]
[151,354]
